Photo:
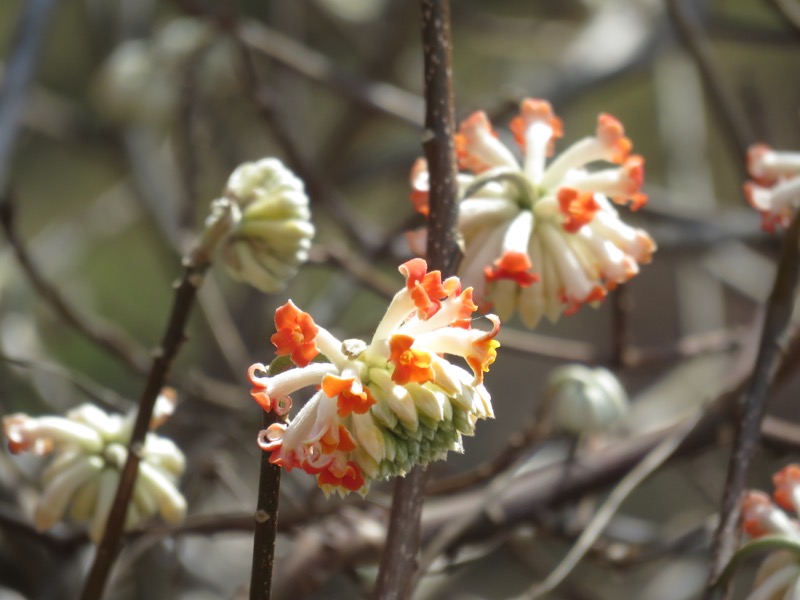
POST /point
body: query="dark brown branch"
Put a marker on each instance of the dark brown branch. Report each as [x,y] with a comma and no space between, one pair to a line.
[104,336]
[399,560]
[776,323]
[266,522]
[174,336]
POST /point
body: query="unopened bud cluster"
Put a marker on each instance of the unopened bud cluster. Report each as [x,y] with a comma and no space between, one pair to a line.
[585,399]
[88,448]
[262,224]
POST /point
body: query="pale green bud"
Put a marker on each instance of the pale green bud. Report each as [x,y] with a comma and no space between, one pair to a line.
[585,399]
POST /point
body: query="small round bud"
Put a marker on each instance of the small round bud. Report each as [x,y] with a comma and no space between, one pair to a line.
[585,399]
[272,234]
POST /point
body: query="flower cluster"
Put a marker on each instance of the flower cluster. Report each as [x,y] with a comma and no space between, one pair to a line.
[545,239]
[264,223]
[89,451]
[778,577]
[775,189]
[387,405]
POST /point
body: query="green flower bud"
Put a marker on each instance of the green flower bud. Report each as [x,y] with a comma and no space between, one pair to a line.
[585,399]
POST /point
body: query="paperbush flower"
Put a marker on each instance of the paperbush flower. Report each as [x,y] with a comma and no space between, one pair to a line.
[778,577]
[89,451]
[544,238]
[387,405]
[263,221]
[775,189]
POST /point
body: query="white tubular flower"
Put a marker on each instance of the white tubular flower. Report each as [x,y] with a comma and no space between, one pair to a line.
[586,399]
[544,239]
[383,406]
[778,577]
[775,189]
[270,228]
[89,450]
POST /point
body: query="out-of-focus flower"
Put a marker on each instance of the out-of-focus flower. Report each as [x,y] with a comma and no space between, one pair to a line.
[89,451]
[775,189]
[585,399]
[141,80]
[544,238]
[385,406]
[263,223]
[778,577]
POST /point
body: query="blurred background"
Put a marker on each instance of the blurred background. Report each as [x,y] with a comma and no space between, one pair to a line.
[138,113]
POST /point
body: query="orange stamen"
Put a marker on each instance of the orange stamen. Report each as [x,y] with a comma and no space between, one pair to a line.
[514,266]
[295,335]
[577,207]
[611,133]
[411,366]
[468,133]
[533,110]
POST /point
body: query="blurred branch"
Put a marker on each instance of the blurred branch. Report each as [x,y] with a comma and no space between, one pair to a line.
[17,76]
[789,10]
[104,336]
[771,347]
[651,461]
[726,107]
[103,396]
[381,97]
[174,336]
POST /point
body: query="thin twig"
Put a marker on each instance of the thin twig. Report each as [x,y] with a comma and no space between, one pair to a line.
[174,336]
[17,76]
[398,562]
[773,337]
[728,112]
[104,336]
[652,461]
[266,522]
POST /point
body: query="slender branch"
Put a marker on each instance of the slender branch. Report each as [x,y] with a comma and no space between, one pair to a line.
[651,461]
[773,337]
[266,522]
[174,336]
[728,112]
[398,562]
[109,339]
[17,76]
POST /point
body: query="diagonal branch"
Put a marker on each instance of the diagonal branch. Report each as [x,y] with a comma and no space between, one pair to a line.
[771,348]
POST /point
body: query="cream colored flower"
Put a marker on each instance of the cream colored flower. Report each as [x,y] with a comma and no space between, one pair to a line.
[89,451]
[775,189]
[544,238]
[383,406]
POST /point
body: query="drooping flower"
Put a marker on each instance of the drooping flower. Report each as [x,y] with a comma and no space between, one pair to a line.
[263,224]
[89,449]
[775,189]
[544,238]
[778,577]
[387,405]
